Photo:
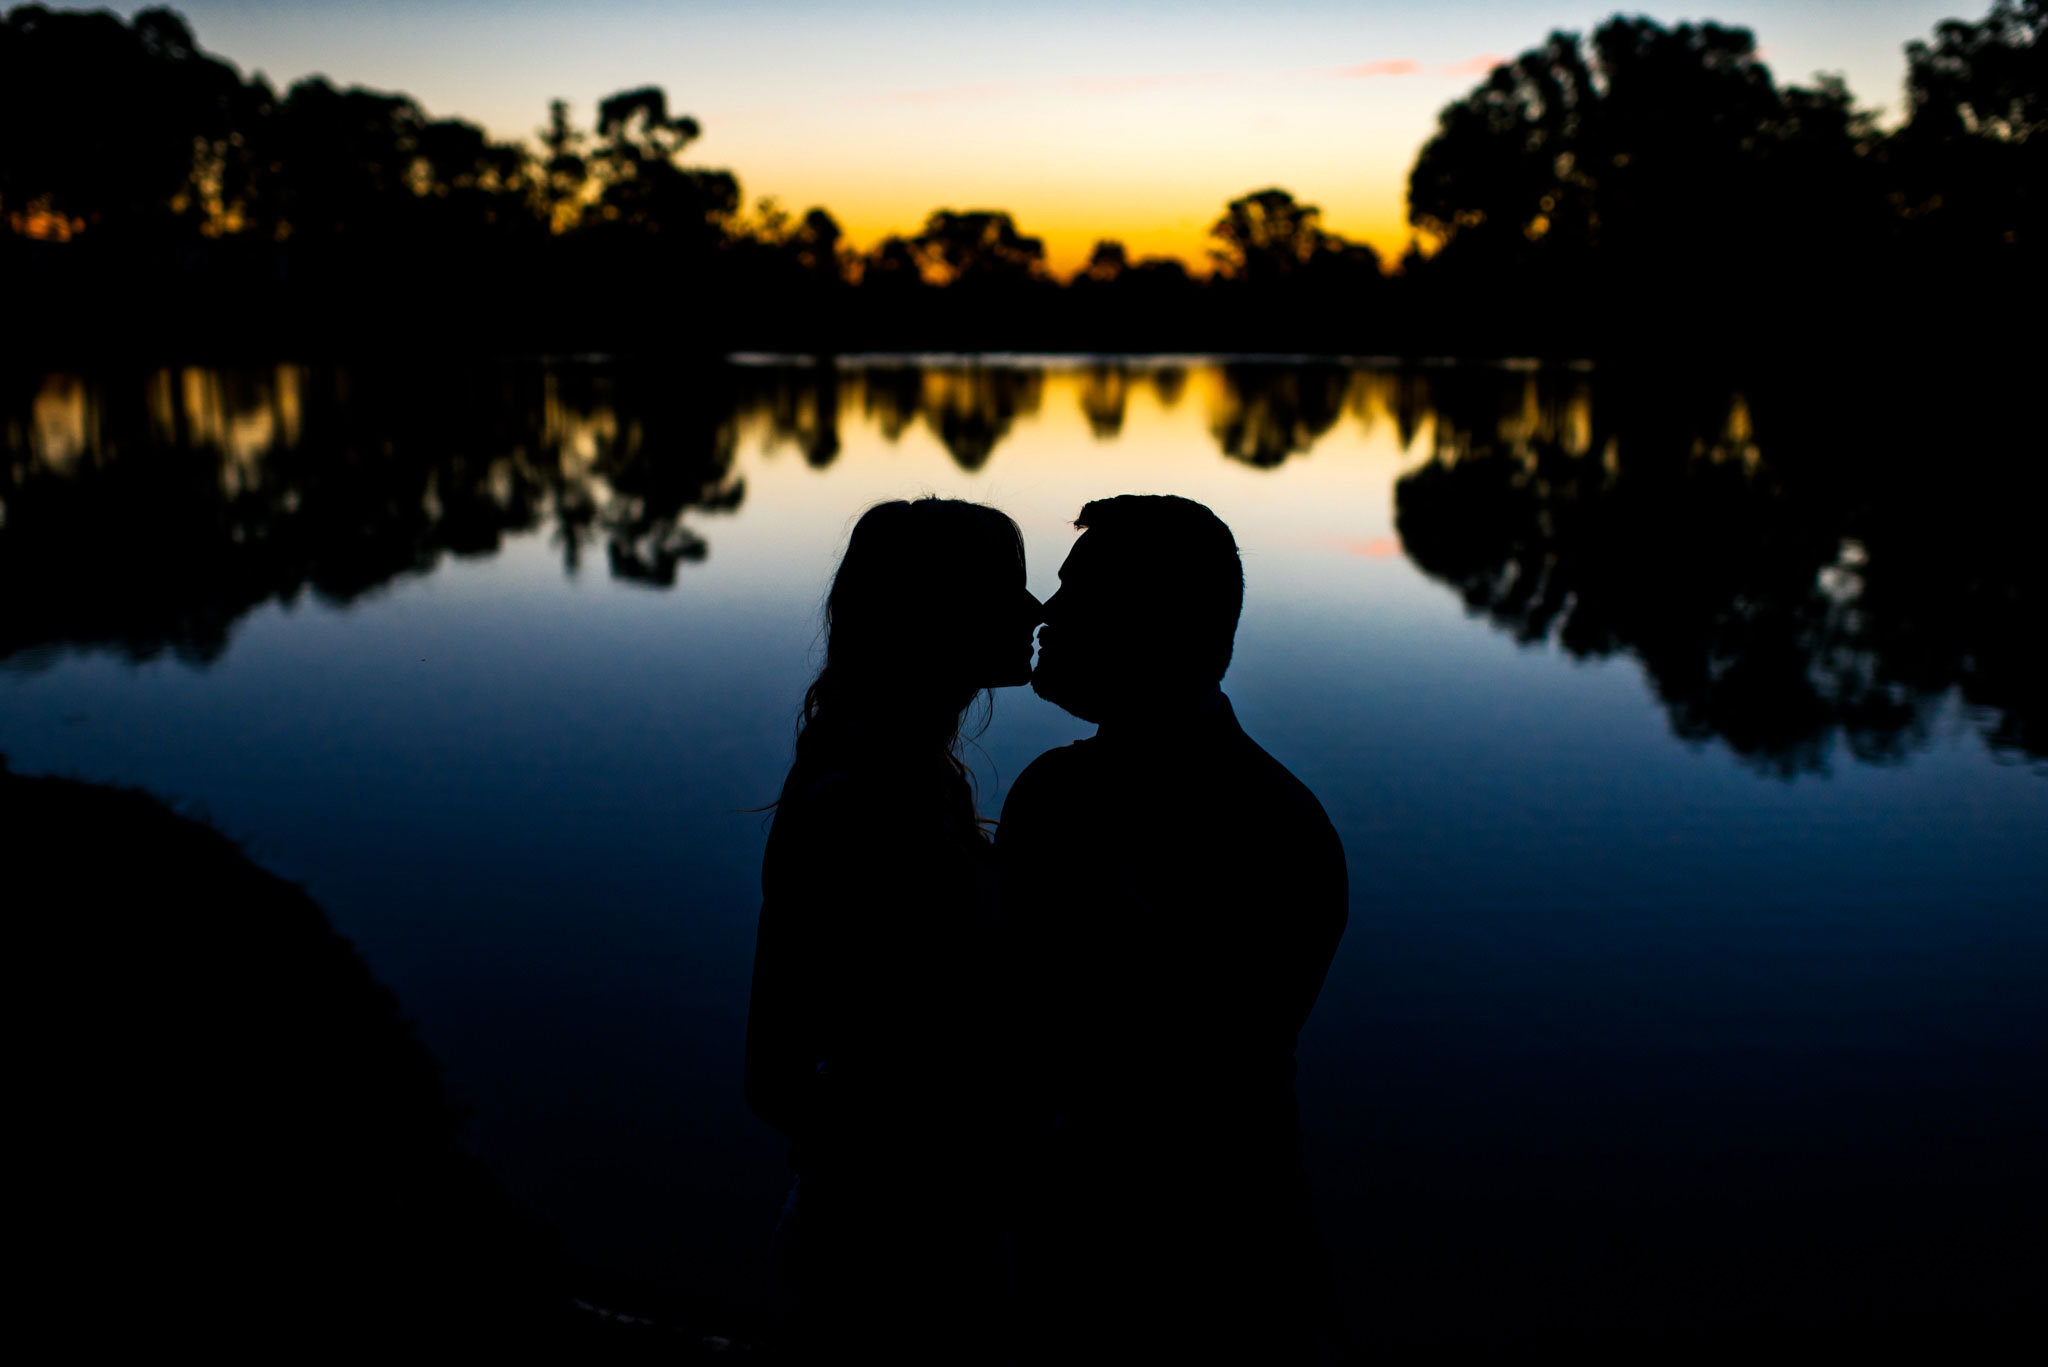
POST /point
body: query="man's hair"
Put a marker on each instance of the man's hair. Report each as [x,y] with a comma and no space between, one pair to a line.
[1180,553]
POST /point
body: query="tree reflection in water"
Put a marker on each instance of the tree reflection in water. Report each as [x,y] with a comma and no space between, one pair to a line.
[968,407]
[969,410]
[1793,564]
[1267,413]
[152,511]
[1790,569]
[1105,394]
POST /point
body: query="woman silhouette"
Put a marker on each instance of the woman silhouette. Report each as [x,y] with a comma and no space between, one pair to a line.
[871,1036]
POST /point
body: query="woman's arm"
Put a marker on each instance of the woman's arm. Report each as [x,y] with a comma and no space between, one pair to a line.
[777,1027]
[785,1035]
[819,852]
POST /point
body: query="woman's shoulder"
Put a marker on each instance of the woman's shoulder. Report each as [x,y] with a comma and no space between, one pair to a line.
[840,791]
[861,831]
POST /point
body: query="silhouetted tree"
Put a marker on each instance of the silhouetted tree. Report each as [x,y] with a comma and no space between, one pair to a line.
[1157,278]
[892,265]
[818,245]
[1113,301]
[1987,79]
[1643,184]
[1288,280]
[967,280]
[1970,165]
[564,172]
[977,248]
[1265,237]
[644,185]
[1106,265]
[369,170]
[1656,176]
[107,128]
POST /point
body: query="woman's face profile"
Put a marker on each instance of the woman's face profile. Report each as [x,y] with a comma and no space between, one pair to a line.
[1000,628]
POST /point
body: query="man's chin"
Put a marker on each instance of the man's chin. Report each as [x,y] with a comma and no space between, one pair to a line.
[1058,692]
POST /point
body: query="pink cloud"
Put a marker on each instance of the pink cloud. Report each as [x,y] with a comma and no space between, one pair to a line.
[1474,66]
[1400,66]
[1374,548]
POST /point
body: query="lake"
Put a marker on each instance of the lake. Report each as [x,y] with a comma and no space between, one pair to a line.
[1686,741]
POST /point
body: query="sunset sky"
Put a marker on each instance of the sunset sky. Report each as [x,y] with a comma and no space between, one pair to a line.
[1136,121]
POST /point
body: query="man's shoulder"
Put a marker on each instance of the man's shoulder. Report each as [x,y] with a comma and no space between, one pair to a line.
[1057,770]
[1063,788]
[1276,782]
[1279,799]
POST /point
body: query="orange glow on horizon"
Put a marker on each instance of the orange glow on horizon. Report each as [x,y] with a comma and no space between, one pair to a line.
[1083,124]
[1071,229]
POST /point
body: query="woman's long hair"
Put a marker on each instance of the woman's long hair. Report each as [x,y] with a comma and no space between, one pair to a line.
[896,685]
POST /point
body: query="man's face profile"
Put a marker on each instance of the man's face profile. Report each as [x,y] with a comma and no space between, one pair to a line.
[1141,624]
[1081,646]
[1098,648]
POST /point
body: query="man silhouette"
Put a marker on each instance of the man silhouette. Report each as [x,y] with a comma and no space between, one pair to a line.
[1174,897]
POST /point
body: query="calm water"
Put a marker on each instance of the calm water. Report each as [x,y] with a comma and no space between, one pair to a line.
[1694,790]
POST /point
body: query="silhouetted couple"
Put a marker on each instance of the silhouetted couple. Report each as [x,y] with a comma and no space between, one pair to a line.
[1040,1091]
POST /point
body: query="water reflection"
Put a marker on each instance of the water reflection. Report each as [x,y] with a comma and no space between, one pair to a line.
[968,408]
[1824,580]
[152,511]
[1792,571]
[1105,393]
[1269,413]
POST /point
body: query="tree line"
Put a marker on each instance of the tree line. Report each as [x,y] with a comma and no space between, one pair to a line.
[1639,182]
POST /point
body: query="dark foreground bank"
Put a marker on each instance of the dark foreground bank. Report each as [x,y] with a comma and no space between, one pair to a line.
[230,1135]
